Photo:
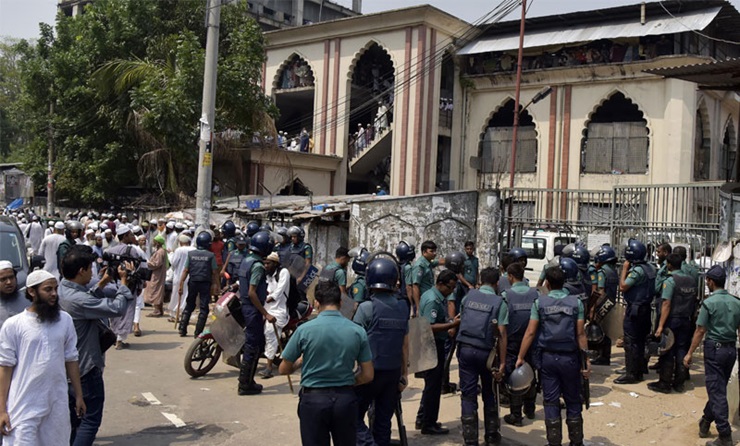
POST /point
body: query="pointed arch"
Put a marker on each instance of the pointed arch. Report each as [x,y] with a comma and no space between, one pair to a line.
[293,92]
[294,72]
[361,52]
[496,137]
[728,152]
[702,143]
[616,137]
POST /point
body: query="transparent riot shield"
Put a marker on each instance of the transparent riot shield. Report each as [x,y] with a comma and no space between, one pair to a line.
[422,349]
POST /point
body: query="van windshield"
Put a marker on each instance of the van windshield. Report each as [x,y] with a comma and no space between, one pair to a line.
[11,248]
[535,247]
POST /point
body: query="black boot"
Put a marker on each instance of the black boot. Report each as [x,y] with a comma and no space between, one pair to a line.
[201,324]
[704,425]
[246,379]
[722,440]
[633,366]
[493,426]
[515,417]
[665,377]
[470,430]
[575,430]
[254,372]
[554,430]
[184,319]
[679,378]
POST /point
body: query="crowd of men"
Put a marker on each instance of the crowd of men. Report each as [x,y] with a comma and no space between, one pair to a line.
[509,338]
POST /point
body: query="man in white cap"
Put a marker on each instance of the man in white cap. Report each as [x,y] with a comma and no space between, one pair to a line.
[153,231]
[170,237]
[35,234]
[34,404]
[11,301]
[177,262]
[276,304]
[49,247]
[110,240]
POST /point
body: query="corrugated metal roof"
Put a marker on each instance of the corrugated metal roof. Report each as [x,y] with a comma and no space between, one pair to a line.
[722,74]
[681,22]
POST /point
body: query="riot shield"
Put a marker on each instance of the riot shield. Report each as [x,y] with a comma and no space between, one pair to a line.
[422,349]
[226,331]
[603,306]
[348,307]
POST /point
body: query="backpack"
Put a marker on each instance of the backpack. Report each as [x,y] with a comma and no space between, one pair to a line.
[294,295]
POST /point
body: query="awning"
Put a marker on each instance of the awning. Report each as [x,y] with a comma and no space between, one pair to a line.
[679,23]
[15,204]
[713,75]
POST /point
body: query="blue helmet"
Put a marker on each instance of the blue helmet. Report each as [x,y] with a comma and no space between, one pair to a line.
[517,253]
[382,274]
[266,227]
[261,243]
[359,264]
[298,231]
[606,254]
[569,267]
[283,231]
[581,256]
[454,261]
[635,251]
[203,240]
[252,228]
[228,229]
[405,251]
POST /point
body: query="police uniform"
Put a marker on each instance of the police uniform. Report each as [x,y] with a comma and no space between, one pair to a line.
[691,269]
[232,267]
[385,318]
[200,264]
[283,251]
[637,323]
[358,290]
[470,269]
[333,272]
[720,316]
[575,288]
[406,279]
[519,298]
[558,314]
[331,345]
[482,312]
[422,274]
[607,279]
[251,273]
[229,246]
[302,249]
[433,307]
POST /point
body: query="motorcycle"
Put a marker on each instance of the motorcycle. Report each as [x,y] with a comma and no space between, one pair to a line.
[226,335]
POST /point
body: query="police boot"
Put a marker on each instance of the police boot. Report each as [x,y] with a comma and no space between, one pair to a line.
[201,324]
[246,378]
[575,430]
[722,440]
[605,354]
[554,430]
[679,378]
[493,426]
[470,430]
[253,383]
[665,377]
[634,363]
[184,319]
[515,417]
[704,425]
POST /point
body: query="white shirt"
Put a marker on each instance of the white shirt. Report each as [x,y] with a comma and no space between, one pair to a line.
[48,249]
[37,401]
[35,235]
[277,289]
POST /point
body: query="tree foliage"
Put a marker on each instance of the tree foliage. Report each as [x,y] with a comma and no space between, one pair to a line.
[125,79]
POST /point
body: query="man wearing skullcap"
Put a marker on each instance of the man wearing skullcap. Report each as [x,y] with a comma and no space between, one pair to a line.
[158,264]
[178,260]
[50,246]
[11,300]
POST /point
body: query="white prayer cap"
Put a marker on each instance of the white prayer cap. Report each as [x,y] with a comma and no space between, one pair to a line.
[141,237]
[89,232]
[34,218]
[37,277]
[153,222]
[59,225]
[162,220]
[4,264]
[182,238]
[93,226]
[171,224]
[50,223]
[136,228]
[179,226]
[123,229]
[99,235]
[108,231]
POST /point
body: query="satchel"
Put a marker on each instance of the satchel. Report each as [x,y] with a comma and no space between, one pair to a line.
[106,337]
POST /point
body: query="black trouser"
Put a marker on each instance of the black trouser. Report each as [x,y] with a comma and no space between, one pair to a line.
[428,412]
[637,325]
[528,399]
[382,392]
[328,415]
[196,289]
[718,362]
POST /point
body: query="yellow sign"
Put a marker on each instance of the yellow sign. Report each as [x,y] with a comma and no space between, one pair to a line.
[206,159]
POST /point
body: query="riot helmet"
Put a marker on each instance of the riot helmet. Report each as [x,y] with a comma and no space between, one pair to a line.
[454,261]
[359,264]
[660,346]
[594,333]
[405,251]
[517,253]
[203,240]
[228,229]
[261,243]
[252,228]
[568,250]
[569,267]
[581,256]
[240,240]
[266,227]
[635,251]
[382,274]
[605,255]
[520,380]
[72,225]
[296,231]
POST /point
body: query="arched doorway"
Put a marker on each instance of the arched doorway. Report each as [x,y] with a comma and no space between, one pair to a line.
[702,144]
[293,91]
[497,138]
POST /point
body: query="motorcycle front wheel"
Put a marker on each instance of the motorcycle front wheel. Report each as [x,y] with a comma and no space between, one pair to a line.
[202,356]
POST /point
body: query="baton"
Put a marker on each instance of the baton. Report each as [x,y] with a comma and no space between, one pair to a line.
[177,311]
[280,349]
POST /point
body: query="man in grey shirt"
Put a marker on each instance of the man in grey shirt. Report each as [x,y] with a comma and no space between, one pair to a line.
[12,302]
[87,308]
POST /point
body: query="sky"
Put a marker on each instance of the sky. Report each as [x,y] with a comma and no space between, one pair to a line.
[20,18]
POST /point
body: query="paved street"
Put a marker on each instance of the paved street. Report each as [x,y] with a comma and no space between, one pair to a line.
[150,400]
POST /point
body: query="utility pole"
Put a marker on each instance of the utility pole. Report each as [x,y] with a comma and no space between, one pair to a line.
[205,153]
[50,164]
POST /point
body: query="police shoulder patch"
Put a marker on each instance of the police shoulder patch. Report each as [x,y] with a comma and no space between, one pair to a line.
[434,314]
[355,290]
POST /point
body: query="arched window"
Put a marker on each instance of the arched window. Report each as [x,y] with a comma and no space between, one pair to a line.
[496,140]
[728,153]
[702,145]
[616,139]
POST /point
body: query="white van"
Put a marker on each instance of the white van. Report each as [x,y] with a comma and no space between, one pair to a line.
[539,244]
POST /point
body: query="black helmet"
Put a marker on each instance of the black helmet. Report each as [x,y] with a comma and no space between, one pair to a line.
[405,251]
[228,229]
[298,231]
[72,225]
[203,240]
[594,332]
[382,274]
[520,380]
[454,261]
[240,240]
[252,228]
[282,230]
[606,254]
[581,256]
[266,227]
[517,253]
[569,267]
[359,264]
[568,250]
[660,346]
[261,243]
[635,251]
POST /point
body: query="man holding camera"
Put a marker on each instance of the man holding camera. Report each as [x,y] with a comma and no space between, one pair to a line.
[127,247]
[87,308]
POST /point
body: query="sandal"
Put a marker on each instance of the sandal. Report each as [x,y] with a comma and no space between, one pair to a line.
[137,332]
[155,314]
[171,320]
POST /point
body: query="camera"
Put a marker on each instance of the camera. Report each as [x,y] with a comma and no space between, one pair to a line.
[140,273]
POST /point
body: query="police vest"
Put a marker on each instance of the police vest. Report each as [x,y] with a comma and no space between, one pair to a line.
[283,252]
[402,280]
[503,284]
[558,319]
[200,266]
[576,288]
[299,249]
[520,308]
[245,274]
[586,280]
[327,274]
[386,333]
[611,281]
[683,302]
[642,293]
[235,261]
[361,287]
[479,322]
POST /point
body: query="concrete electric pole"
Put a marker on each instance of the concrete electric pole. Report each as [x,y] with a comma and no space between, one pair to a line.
[205,155]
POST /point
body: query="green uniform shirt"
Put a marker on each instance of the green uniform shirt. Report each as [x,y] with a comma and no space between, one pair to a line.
[593,274]
[503,311]
[720,315]
[660,277]
[358,290]
[407,277]
[331,345]
[519,287]
[669,284]
[307,252]
[340,276]
[433,306]
[258,269]
[690,269]
[601,275]
[555,294]
[423,275]
[470,269]
[634,276]
[364,313]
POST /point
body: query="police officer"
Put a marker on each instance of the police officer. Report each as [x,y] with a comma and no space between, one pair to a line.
[520,256]
[358,291]
[422,276]
[582,258]
[335,271]
[282,247]
[677,306]
[520,298]
[607,282]
[385,318]
[330,346]
[503,281]
[405,253]
[662,252]
[72,232]
[561,319]
[228,229]
[719,319]
[253,293]
[573,283]
[201,266]
[637,283]
[433,308]
[235,258]
[481,336]
[471,266]
[299,248]
[252,228]
[689,267]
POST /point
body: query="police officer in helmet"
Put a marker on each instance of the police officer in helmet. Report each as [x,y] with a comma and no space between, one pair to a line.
[607,282]
[637,283]
[573,282]
[481,337]
[385,318]
[560,318]
[405,253]
[201,266]
[359,290]
[253,293]
[252,228]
